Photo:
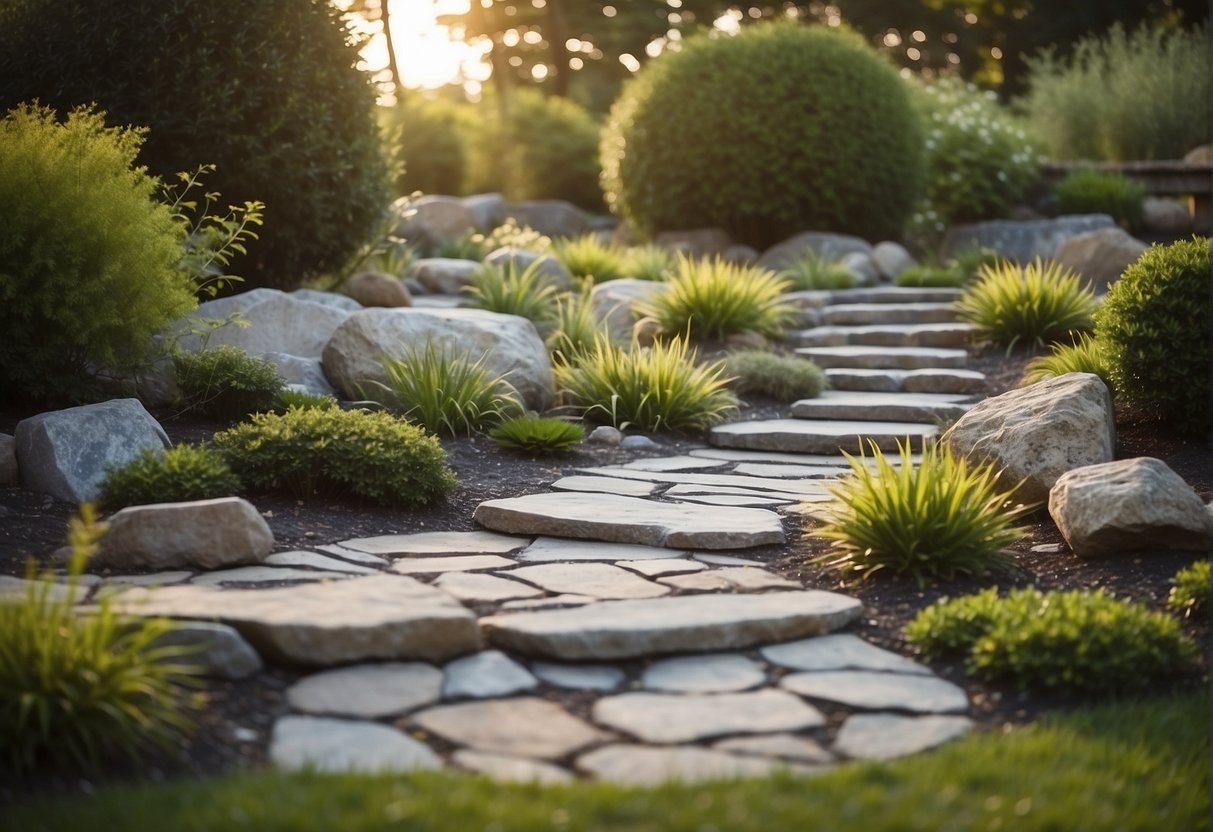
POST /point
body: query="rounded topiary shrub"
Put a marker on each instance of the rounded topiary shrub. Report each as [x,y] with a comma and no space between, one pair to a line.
[266,91]
[779,129]
[89,259]
[1153,332]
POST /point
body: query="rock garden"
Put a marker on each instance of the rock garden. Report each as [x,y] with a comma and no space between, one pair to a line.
[807,486]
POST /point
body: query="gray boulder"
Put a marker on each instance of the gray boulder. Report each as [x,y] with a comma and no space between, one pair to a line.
[217,648]
[333,299]
[1022,240]
[1101,256]
[488,210]
[825,244]
[9,473]
[552,217]
[614,302]
[301,373]
[277,322]
[200,534]
[1166,216]
[444,275]
[430,219]
[1037,433]
[891,259]
[1129,505]
[551,269]
[862,268]
[378,289]
[509,344]
[65,453]
[698,242]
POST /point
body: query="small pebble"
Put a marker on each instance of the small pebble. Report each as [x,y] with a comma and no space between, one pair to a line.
[605,435]
[638,443]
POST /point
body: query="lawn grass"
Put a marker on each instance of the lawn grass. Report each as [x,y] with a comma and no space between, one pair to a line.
[1133,766]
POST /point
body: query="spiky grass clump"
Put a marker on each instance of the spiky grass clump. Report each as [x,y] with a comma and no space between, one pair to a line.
[446,392]
[714,299]
[289,398]
[1054,641]
[1190,595]
[576,326]
[589,257]
[537,435]
[226,383]
[512,291]
[651,388]
[1083,356]
[938,519]
[648,262]
[186,472]
[75,689]
[785,378]
[1037,304]
[813,271]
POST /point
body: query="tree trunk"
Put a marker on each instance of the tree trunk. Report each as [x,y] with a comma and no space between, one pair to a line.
[386,16]
[558,34]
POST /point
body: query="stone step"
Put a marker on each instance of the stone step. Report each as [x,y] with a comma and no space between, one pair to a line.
[888,313]
[953,334]
[615,519]
[885,358]
[876,294]
[930,380]
[649,627]
[881,407]
[818,437]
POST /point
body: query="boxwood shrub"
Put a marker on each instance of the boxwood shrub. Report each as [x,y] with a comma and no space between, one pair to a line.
[184,472]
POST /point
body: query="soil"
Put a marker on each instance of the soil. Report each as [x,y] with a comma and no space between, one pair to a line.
[234,727]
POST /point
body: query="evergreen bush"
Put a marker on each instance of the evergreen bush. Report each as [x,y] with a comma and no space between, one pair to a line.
[1092,192]
[226,383]
[178,474]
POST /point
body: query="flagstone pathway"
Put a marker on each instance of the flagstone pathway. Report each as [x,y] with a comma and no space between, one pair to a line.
[613,627]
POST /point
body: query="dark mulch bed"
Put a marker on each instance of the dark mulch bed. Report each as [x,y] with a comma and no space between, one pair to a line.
[32,525]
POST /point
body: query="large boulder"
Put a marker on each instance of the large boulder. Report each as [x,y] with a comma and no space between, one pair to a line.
[891,259]
[1166,216]
[1037,433]
[488,210]
[1100,256]
[444,275]
[552,217]
[552,270]
[378,289]
[200,534]
[508,343]
[1022,240]
[333,299]
[65,453]
[277,322]
[614,302]
[300,373]
[699,242]
[822,243]
[430,219]
[1129,505]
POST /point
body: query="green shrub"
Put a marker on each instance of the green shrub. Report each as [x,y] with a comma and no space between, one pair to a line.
[1037,304]
[185,472]
[1123,96]
[76,689]
[1079,641]
[715,299]
[1153,331]
[1092,192]
[779,129]
[429,144]
[648,262]
[1190,595]
[932,276]
[513,291]
[309,451]
[544,147]
[940,518]
[445,392]
[785,378]
[266,91]
[970,260]
[587,256]
[653,388]
[1083,356]
[812,271]
[289,398]
[537,435]
[89,259]
[980,160]
[226,383]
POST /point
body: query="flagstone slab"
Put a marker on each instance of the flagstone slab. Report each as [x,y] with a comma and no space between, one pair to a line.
[726,560]
[735,500]
[605,485]
[697,582]
[339,745]
[265,575]
[893,294]
[475,587]
[367,691]
[880,407]
[927,380]
[811,436]
[715,673]
[643,765]
[685,492]
[781,746]
[839,651]
[887,313]
[772,457]
[672,463]
[548,602]
[599,580]
[599,677]
[486,675]
[312,560]
[518,727]
[753,578]
[687,624]
[335,622]
[451,563]
[781,471]
[873,690]
[939,334]
[666,718]
[884,358]
[351,555]
[152,579]
[549,549]
[511,769]
[885,736]
[615,519]
[657,568]
[713,480]
[437,543]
